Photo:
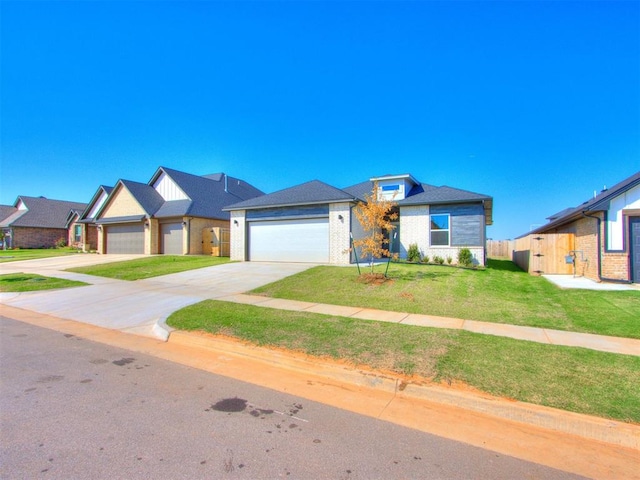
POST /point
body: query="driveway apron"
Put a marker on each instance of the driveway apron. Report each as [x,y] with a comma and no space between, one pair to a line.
[141,306]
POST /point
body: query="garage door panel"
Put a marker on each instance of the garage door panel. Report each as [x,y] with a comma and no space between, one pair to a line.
[171,238]
[125,238]
[289,241]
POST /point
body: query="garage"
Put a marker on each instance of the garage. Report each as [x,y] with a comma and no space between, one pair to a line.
[171,238]
[299,240]
[125,238]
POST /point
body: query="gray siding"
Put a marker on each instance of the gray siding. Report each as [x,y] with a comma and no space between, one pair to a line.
[288,212]
[467,223]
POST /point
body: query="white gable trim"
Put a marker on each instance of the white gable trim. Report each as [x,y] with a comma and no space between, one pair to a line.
[628,200]
[168,189]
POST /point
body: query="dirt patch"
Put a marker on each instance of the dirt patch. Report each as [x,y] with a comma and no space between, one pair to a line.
[374,279]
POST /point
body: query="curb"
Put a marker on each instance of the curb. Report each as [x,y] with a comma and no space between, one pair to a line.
[585,426]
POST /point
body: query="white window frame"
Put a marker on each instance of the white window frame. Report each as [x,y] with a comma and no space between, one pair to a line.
[448,230]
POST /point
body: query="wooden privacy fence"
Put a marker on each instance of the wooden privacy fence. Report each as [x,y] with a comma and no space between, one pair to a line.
[544,253]
[499,248]
[216,242]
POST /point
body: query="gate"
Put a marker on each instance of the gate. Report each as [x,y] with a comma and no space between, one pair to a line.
[216,241]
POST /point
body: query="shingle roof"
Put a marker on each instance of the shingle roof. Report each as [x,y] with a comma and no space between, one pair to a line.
[5,212]
[208,194]
[84,217]
[313,192]
[42,213]
[596,204]
[148,198]
[424,194]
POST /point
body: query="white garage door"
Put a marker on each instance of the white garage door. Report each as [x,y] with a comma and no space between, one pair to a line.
[171,238]
[125,238]
[289,241]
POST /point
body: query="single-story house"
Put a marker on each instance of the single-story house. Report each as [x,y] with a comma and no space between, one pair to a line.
[167,215]
[36,222]
[604,233]
[314,222]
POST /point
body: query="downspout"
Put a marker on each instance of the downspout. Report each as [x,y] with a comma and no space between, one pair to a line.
[600,277]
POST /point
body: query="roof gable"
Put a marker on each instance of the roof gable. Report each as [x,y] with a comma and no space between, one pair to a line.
[97,201]
[41,212]
[208,195]
[146,197]
[599,202]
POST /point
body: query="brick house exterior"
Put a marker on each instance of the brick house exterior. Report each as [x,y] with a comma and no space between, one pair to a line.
[37,222]
[606,239]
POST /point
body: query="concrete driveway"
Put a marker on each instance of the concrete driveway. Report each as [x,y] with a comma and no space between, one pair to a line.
[137,307]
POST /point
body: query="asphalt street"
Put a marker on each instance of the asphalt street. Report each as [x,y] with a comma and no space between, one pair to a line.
[71,408]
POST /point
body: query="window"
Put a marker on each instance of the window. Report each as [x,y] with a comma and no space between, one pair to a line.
[390,188]
[77,233]
[440,230]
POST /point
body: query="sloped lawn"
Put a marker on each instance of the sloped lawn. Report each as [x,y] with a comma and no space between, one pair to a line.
[501,293]
[574,379]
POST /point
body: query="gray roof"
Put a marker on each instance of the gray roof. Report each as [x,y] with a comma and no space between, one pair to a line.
[424,194]
[41,213]
[5,212]
[598,203]
[147,196]
[313,192]
[208,194]
[84,217]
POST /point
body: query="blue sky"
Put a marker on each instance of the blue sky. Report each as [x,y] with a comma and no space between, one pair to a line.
[534,103]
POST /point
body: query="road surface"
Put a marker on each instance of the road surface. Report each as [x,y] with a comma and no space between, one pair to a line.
[71,408]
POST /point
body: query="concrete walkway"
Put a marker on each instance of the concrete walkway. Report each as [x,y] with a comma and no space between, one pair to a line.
[626,346]
[141,307]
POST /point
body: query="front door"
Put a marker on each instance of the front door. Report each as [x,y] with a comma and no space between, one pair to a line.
[634,237]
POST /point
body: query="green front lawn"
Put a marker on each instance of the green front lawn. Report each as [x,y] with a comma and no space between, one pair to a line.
[34,253]
[501,293]
[574,379]
[154,266]
[28,282]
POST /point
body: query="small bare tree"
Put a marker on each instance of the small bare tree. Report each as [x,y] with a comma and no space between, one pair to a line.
[375,215]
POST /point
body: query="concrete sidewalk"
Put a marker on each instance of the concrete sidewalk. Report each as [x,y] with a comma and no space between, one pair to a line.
[141,307]
[626,346]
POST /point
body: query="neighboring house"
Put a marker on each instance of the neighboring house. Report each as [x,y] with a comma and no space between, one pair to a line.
[166,215]
[85,224]
[36,222]
[603,234]
[314,222]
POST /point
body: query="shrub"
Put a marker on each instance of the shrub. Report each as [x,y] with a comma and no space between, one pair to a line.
[426,259]
[449,260]
[413,254]
[61,243]
[465,258]
[438,259]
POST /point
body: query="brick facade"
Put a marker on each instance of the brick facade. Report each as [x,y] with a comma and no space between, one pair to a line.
[613,265]
[339,241]
[30,237]
[238,236]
